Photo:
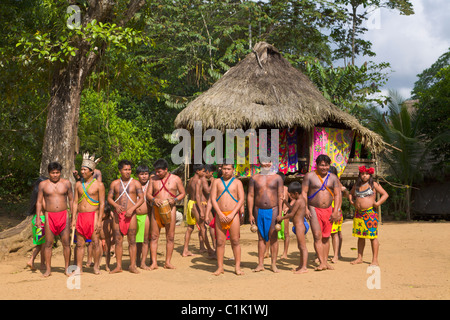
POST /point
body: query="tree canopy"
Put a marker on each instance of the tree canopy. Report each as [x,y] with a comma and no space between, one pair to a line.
[135,64]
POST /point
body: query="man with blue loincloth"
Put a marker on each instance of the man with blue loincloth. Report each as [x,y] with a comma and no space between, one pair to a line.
[319,188]
[265,194]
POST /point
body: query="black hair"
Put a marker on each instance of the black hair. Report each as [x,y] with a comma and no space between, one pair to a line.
[359,182]
[333,170]
[107,211]
[161,164]
[123,163]
[295,186]
[323,157]
[142,168]
[54,166]
[210,168]
[34,194]
[282,175]
[228,162]
[198,167]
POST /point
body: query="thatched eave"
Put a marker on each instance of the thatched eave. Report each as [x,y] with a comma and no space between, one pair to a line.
[265,90]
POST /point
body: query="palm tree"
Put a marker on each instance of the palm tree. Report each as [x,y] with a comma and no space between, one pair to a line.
[410,157]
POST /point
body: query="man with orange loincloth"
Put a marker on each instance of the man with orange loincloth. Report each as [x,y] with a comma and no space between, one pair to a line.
[125,196]
[227,198]
[265,202]
[163,186]
[56,192]
[88,206]
[319,188]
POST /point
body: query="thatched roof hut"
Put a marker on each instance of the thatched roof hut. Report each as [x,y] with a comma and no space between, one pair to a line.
[265,90]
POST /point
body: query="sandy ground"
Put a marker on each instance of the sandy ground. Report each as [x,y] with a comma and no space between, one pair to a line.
[414,264]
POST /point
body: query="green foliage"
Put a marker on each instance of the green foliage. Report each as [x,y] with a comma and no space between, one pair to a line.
[170,53]
[103,132]
[432,89]
[349,87]
[400,127]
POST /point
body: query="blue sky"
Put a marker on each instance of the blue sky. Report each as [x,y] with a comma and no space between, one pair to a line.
[410,43]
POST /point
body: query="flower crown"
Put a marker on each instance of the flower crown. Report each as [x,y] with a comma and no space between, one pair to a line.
[363,169]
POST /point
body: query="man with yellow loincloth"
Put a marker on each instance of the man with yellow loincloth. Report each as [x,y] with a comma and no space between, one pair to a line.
[319,188]
[197,190]
[227,198]
[163,186]
[88,206]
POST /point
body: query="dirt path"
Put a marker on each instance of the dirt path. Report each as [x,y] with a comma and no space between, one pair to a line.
[414,260]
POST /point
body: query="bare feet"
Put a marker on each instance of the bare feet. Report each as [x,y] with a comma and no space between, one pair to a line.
[218,272]
[299,270]
[238,272]
[47,274]
[167,265]
[31,266]
[153,266]
[133,270]
[324,266]
[275,269]
[187,254]
[357,261]
[116,270]
[259,268]
[144,267]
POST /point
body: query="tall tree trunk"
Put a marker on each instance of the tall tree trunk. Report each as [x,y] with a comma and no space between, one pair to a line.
[67,86]
[354,18]
[63,112]
[408,203]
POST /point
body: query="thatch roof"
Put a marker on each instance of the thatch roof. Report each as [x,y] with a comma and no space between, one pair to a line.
[265,90]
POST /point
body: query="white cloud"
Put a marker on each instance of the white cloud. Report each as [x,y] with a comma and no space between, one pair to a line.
[410,43]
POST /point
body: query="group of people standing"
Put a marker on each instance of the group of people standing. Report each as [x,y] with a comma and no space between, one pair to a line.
[139,209]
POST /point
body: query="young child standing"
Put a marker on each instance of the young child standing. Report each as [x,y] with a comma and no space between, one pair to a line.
[336,233]
[365,221]
[297,211]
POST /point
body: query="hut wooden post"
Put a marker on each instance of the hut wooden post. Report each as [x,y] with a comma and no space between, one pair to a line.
[186,175]
[378,181]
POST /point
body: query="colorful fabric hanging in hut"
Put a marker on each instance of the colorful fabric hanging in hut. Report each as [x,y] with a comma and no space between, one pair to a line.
[283,154]
[275,166]
[336,143]
[243,169]
[292,150]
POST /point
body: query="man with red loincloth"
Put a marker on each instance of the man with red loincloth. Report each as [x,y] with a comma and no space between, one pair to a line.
[163,186]
[56,192]
[125,196]
[88,206]
[319,188]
